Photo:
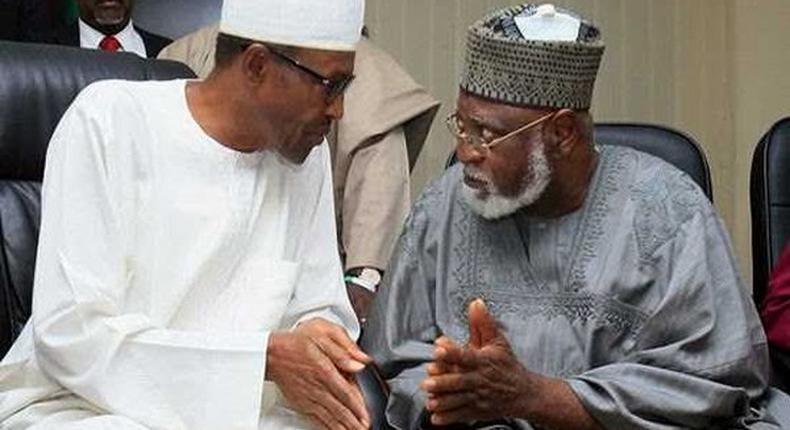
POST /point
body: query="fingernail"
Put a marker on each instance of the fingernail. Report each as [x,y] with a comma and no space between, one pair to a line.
[354,365]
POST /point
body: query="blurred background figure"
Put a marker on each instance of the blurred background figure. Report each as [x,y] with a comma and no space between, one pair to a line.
[106,25]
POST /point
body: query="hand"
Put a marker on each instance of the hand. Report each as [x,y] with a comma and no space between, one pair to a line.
[361,300]
[312,366]
[480,382]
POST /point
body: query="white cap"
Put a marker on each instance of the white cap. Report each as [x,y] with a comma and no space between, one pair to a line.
[319,24]
[548,23]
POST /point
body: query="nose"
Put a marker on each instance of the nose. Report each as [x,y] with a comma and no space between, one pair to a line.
[335,108]
[468,154]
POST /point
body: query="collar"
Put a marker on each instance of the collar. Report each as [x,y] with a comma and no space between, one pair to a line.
[130,39]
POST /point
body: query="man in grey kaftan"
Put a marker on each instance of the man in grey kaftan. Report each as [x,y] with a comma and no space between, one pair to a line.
[610,295]
[634,299]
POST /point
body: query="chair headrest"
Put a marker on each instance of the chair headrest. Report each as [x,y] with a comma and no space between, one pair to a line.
[38,84]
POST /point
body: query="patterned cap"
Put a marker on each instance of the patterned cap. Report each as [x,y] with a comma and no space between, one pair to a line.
[502,64]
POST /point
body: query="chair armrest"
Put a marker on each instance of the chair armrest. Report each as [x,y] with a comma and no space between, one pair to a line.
[376,393]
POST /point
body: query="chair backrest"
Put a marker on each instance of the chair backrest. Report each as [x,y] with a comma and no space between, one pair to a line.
[770,203]
[38,84]
[670,145]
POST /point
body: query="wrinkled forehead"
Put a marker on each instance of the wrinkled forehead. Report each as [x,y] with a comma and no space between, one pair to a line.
[494,113]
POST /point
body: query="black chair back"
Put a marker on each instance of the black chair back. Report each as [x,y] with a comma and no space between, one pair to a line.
[770,204]
[670,145]
[38,84]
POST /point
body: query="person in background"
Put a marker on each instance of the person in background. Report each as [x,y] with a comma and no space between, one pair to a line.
[107,25]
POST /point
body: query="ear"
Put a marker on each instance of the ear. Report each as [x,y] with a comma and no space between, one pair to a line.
[255,61]
[563,131]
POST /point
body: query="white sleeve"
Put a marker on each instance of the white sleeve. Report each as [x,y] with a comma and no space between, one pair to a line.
[321,291]
[85,341]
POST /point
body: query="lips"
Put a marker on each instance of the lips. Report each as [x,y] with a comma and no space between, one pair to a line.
[109,13]
[475,183]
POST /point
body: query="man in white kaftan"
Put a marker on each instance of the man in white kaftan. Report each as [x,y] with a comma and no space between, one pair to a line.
[178,248]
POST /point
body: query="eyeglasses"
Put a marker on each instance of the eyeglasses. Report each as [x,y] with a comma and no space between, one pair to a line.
[457,129]
[332,87]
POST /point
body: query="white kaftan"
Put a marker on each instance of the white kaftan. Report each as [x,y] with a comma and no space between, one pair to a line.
[165,260]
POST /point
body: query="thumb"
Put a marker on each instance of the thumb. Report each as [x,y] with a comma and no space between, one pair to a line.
[483,329]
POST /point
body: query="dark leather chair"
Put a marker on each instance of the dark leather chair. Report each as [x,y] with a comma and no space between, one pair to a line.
[37,84]
[663,142]
[770,204]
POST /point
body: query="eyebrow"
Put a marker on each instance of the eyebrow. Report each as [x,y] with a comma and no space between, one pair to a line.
[492,125]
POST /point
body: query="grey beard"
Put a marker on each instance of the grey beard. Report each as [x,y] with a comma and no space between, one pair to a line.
[495,205]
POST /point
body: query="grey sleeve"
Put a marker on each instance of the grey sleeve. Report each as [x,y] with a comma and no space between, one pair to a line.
[402,326]
[700,360]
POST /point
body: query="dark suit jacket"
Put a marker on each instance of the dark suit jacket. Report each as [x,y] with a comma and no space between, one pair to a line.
[25,20]
[70,36]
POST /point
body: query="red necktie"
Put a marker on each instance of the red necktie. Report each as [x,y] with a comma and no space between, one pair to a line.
[110,44]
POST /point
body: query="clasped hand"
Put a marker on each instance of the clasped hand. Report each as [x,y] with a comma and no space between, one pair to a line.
[479,382]
[313,366]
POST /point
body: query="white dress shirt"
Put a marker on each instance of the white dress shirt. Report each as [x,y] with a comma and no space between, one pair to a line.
[130,39]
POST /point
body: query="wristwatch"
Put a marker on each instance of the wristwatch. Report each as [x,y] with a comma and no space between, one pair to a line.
[367,278]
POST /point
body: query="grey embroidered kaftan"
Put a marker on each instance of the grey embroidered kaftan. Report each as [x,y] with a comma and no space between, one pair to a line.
[634,299]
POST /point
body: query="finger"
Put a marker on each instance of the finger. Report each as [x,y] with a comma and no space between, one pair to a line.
[335,415]
[438,368]
[339,356]
[451,383]
[444,345]
[450,355]
[483,328]
[341,338]
[324,415]
[460,415]
[445,342]
[318,413]
[448,402]
[323,420]
[348,395]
